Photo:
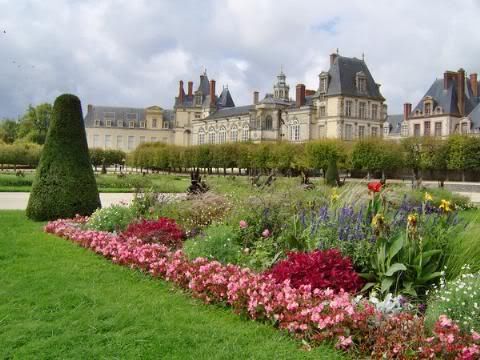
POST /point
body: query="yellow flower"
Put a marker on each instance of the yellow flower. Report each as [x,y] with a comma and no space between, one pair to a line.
[445,206]
[334,196]
[412,220]
[378,220]
[428,197]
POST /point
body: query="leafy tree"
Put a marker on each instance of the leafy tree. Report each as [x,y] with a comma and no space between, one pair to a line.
[33,126]
[458,153]
[319,153]
[64,183]
[331,177]
[8,131]
[412,148]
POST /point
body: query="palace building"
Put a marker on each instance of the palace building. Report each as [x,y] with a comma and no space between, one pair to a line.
[347,104]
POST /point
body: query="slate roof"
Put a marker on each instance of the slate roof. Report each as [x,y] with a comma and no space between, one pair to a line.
[225,99]
[270,99]
[120,114]
[342,79]
[475,117]
[231,112]
[395,123]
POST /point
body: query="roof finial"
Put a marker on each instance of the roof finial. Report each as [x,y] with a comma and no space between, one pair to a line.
[281,69]
[338,52]
[363,56]
[204,70]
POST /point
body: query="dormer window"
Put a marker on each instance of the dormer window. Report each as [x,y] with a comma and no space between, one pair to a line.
[142,124]
[120,123]
[361,82]
[108,123]
[131,124]
[427,109]
[97,123]
[198,99]
[323,82]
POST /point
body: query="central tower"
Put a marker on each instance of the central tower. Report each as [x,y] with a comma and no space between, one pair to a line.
[281,88]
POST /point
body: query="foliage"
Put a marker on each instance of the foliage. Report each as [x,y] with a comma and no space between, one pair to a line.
[64,184]
[112,218]
[331,177]
[8,131]
[374,155]
[33,126]
[320,269]
[27,154]
[162,231]
[459,299]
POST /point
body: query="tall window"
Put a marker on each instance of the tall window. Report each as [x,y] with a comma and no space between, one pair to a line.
[321,131]
[201,136]
[348,108]
[211,135]
[131,124]
[119,142]
[404,130]
[323,111]
[164,124]
[348,131]
[108,123]
[268,122]
[374,111]
[361,132]
[416,130]
[142,139]
[131,142]
[142,124]
[323,84]
[96,140]
[234,134]
[374,131]
[295,131]
[362,110]
[245,133]
[154,123]
[426,128]
[362,84]
[438,128]
[464,128]
[386,130]
[222,135]
[428,109]
[108,141]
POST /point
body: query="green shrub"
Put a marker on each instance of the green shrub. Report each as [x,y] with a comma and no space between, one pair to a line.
[331,176]
[113,218]
[219,242]
[64,184]
[438,194]
[459,300]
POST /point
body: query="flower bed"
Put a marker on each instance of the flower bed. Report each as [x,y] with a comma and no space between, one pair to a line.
[317,315]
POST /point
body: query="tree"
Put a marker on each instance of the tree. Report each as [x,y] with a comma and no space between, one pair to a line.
[331,177]
[33,126]
[8,131]
[64,183]
[458,153]
[412,148]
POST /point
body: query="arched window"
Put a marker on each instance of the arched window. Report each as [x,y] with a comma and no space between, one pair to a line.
[234,133]
[222,135]
[294,130]
[211,135]
[201,136]
[268,123]
[245,133]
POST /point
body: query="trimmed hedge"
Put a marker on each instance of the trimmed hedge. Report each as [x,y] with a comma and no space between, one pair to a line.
[64,183]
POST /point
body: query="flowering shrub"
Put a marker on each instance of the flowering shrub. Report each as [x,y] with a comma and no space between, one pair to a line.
[315,316]
[319,269]
[112,218]
[163,231]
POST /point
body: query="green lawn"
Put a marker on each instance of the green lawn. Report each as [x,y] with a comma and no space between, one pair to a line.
[58,300]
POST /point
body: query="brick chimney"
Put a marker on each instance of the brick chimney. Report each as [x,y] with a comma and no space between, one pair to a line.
[448,76]
[407,109]
[333,56]
[461,91]
[474,84]
[255,97]
[300,95]
[89,108]
[190,88]
[212,92]
[181,93]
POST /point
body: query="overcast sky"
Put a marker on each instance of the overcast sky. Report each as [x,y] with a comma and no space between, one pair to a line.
[133,52]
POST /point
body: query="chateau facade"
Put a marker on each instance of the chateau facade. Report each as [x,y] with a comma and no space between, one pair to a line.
[347,104]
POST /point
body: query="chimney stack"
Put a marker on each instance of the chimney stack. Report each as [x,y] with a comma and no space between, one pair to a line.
[212,92]
[461,91]
[300,95]
[333,56]
[89,108]
[255,97]
[448,76]
[190,88]
[181,93]
[407,109]
[474,84]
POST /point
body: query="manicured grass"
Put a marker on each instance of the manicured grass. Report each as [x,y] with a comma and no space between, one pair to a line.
[58,300]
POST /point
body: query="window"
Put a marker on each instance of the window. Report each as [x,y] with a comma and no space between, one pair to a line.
[119,142]
[142,124]
[96,140]
[374,111]
[428,108]
[361,132]
[464,128]
[198,100]
[386,130]
[154,123]
[108,141]
[426,128]
[362,110]
[211,135]
[108,123]
[97,123]
[404,130]
[164,124]
[416,130]
[374,131]
[295,131]
[131,124]
[323,84]
[222,135]
[321,131]
[268,123]
[153,139]
[438,128]
[131,142]
[323,111]
[348,132]
[361,82]
[234,134]
[348,108]
[142,139]
[245,133]
[120,123]
[201,136]
[198,115]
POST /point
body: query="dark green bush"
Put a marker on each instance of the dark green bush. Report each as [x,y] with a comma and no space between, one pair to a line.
[332,172]
[64,184]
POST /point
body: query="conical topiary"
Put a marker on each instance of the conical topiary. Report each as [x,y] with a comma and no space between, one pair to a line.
[64,183]
[331,177]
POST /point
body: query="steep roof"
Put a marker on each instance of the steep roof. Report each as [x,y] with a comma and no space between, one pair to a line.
[270,99]
[204,85]
[231,112]
[395,123]
[225,99]
[475,117]
[342,78]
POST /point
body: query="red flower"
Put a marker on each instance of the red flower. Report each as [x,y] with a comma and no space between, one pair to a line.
[163,231]
[375,186]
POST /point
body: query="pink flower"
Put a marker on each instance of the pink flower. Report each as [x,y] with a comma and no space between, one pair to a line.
[344,342]
[243,224]
[266,233]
